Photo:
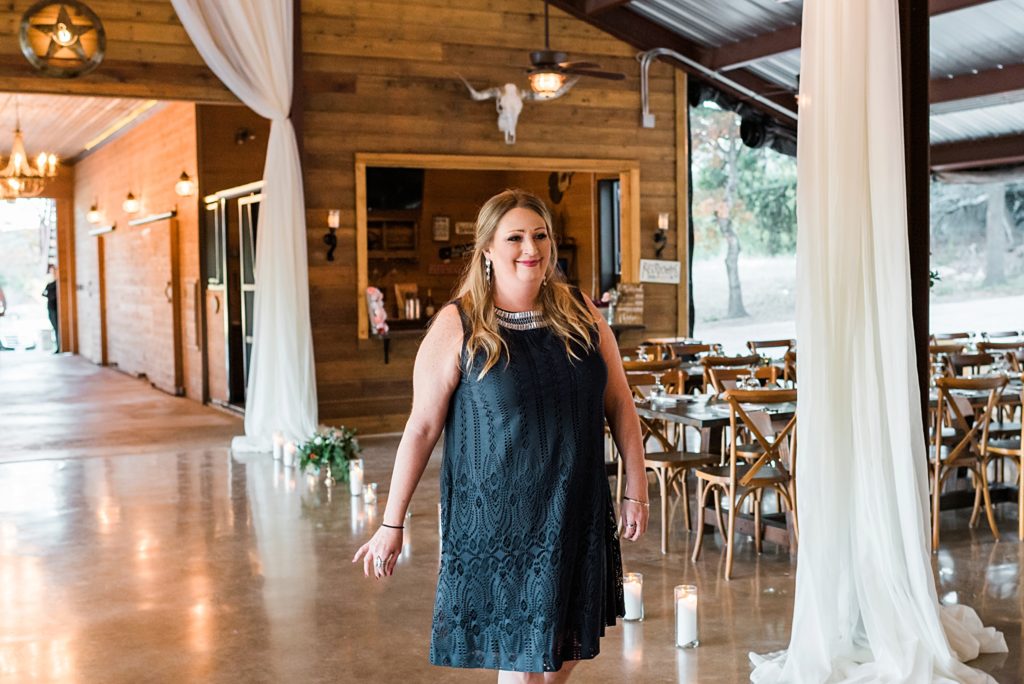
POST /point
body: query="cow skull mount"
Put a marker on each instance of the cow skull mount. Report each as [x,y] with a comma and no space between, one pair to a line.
[509,100]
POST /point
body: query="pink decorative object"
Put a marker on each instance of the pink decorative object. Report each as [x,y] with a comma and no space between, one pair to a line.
[375,309]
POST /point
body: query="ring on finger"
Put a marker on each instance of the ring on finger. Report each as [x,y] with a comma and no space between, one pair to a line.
[378,563]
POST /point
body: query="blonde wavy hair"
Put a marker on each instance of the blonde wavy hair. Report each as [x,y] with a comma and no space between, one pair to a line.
[567,316]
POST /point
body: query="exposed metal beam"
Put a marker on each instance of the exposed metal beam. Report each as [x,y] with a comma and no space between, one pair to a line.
[936,7]
[968,86]
[644,34]
[743,52]
[970,154]
[592,7]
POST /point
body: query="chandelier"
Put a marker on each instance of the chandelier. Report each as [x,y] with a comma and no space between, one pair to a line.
[20,178]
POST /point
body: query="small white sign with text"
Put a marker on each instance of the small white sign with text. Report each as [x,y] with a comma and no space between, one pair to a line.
[659,271]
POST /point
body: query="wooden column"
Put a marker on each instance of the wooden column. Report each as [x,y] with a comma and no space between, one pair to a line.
[682,203]
[914,43]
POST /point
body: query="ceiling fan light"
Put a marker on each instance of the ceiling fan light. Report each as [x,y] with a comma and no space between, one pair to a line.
[546,83]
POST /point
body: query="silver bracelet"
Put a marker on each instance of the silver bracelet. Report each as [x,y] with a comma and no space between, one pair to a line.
[643,503]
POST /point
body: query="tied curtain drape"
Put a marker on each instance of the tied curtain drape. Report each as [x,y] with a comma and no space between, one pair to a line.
[866,608]
[248,45]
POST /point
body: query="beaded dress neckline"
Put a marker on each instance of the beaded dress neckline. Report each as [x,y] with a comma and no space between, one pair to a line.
[520,320]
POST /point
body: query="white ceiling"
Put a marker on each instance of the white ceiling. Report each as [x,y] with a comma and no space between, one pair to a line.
[66,124]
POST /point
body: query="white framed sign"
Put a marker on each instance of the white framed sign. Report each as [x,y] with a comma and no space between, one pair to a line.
[659,271]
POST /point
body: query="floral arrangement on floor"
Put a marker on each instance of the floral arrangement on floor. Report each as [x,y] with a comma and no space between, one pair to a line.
[333,447]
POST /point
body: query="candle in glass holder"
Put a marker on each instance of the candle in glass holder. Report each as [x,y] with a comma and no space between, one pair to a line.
[633,588]
[355,477]
[289,454]
[278,445]
[686,616]
[370,493]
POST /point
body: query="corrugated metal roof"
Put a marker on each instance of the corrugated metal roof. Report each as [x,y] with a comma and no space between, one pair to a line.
[975,38]
[978,37]
[978,123]
[722,21]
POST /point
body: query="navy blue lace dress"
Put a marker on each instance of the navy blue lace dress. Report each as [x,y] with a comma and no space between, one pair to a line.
[531,571]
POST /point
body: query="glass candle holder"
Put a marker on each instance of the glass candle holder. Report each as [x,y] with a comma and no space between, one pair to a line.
[633,589]
[278,441]
[686,616]
[355,477]
[370,493]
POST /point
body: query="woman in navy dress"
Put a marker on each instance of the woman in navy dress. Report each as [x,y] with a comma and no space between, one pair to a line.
[520,372]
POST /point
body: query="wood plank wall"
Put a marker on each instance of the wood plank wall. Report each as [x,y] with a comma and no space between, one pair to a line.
[380,76]
[404,58]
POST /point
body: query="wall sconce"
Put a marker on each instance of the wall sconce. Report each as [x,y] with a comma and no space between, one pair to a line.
[330,239]
[185,187]
[131,204]
[94,216]
[661,234]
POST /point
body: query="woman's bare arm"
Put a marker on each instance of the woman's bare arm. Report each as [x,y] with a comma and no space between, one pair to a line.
[620,411]
[435,376]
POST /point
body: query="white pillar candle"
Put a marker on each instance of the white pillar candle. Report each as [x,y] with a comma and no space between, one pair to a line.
[355,477]
[633,588]
[278,446]
[289,454]
[686,616]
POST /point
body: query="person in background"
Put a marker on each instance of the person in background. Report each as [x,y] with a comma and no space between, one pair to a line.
[50,292]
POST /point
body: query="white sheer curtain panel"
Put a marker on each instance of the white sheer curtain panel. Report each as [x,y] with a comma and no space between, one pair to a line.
[248,45]
[866,607]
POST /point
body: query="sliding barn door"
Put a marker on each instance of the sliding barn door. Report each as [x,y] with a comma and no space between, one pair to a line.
[143,303]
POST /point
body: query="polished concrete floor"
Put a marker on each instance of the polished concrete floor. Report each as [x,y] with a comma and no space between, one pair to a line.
[135,548]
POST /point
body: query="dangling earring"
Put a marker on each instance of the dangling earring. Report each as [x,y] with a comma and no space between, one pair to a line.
[487,269]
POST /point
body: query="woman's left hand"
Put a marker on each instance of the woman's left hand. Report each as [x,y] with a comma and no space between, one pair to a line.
[633,519]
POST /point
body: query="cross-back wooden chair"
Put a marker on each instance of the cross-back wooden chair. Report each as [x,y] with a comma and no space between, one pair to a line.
[688,350]
[960,441]
[640,373]
[1011,447]
[959,363]
[739,480]
[941,337]
[1003,334]
[668,460]
[709,362]
[789,366]
[939,355]
[724,379]
[758,346]
[1016,361]
[997,347]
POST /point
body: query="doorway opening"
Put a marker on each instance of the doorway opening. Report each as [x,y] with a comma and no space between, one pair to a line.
[28,259]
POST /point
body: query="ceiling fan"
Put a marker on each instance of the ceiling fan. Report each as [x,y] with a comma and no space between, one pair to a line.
[550,68]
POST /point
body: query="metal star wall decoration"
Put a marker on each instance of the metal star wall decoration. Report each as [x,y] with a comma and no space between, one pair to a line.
[63,43]
[64,33]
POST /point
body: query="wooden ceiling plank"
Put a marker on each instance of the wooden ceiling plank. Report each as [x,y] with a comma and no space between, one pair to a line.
[969,154]
[967,86]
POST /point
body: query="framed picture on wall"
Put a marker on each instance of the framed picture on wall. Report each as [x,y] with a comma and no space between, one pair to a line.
[465,228]
[442,229]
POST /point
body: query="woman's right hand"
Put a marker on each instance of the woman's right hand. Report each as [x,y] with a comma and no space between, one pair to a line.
[385,545]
